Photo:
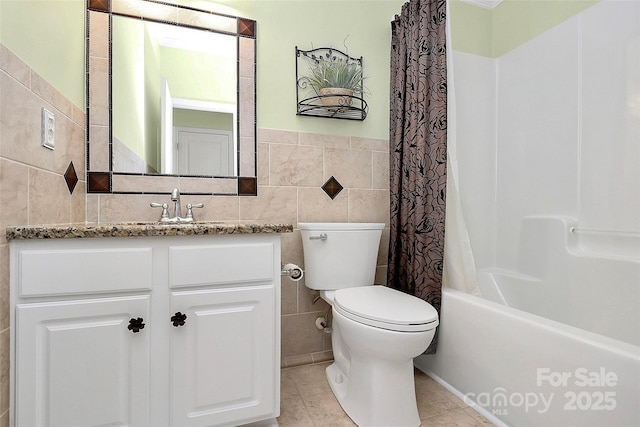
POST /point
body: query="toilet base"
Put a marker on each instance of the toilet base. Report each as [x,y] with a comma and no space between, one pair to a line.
[380,397]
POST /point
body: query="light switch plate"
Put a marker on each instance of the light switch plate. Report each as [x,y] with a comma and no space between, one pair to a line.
[48,129]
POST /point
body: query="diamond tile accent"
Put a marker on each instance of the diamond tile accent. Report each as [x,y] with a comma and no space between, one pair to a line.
[71,177]
[332,187]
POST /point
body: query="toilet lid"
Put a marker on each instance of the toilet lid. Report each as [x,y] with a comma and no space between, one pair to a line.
[385,308]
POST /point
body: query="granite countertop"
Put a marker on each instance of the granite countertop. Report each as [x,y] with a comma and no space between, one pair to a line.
[140,229]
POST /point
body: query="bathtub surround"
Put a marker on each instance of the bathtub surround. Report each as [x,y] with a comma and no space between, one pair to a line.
[547,142]
[514,363]
[418,147]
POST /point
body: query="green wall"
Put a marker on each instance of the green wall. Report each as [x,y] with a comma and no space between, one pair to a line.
[202,119]
[152,106]
[185,70]
[128,68]
[492,33]
[49,36]
[283,25]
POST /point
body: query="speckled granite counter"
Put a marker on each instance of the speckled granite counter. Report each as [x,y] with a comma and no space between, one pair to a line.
[140,229]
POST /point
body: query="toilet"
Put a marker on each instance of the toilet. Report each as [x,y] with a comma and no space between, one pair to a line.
[376,330]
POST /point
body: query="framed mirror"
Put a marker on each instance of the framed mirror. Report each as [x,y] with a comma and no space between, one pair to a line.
[171,99]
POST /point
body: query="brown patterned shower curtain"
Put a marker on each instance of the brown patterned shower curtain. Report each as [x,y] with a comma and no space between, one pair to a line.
[418,150]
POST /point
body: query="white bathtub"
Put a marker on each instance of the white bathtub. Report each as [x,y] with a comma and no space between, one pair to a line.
[571,359]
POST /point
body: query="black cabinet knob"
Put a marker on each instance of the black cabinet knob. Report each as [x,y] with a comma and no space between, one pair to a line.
[178,319]
[136,324]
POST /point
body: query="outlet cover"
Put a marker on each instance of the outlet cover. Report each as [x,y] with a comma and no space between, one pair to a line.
[48,129]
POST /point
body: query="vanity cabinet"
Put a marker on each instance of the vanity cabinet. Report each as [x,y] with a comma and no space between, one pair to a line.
[145,331]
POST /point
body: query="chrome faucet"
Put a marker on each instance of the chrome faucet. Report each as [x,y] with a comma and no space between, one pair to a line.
[177,210]
[175,198]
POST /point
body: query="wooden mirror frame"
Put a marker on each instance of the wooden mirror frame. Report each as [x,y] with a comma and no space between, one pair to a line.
[101,178]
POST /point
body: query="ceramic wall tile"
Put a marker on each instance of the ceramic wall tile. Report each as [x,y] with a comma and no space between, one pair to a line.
[79,202]
[289,361]
[14,66]
[98,39]
[383,251]
[78,116]
[49,198]
[70,146]
[14,195]
[323,356]
[289,296]
[131,183]
[314,205]
[291,244]
[373,144]
[369,206]
[93,208]
[278,136]
[4,370]
[380,167]
[21,125]
[295,165]
[306,298]
[99,151]
[4,286]
[207,185]
[297,337]
[272,205]
[248,57]
[99,112]
[124,208]
[322,140]
[217,208]
[381,275]
[21,136]
[247,108]
[247,156]
[49,94]
[263,164]
[352,168]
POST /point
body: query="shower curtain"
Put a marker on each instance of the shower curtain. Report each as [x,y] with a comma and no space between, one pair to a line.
[418,150]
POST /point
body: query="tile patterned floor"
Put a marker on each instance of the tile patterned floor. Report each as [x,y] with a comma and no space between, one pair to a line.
[307,401]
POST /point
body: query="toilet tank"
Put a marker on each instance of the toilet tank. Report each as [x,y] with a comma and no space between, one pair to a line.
[345,258]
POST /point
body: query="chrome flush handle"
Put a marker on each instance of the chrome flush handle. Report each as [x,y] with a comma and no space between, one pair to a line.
[322,236]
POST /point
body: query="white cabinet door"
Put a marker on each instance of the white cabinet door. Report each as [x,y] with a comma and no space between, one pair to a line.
[222,366]
[79,364]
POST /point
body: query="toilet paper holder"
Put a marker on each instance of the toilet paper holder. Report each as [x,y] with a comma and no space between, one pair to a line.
[292,271]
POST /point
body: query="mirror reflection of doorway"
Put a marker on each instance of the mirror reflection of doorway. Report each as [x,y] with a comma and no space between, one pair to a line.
[203,151]
[205,117]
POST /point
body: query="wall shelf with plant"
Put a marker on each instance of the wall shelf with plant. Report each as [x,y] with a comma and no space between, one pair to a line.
[330,83]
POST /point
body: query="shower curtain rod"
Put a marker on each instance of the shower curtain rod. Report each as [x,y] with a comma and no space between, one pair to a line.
[611,232]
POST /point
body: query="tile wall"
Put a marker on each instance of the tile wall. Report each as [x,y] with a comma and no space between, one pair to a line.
[33,189]
[292,168]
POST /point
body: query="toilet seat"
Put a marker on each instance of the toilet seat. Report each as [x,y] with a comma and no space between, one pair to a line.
[386,308]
